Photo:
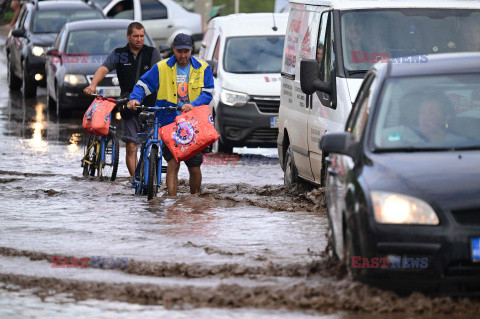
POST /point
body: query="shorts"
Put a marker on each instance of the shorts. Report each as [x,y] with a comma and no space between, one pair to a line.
[195,161]
[130,128]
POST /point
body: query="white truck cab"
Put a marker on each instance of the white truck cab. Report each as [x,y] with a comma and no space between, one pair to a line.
[329,47]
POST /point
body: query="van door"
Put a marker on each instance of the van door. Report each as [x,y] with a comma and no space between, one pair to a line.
[322,106]
[302,28]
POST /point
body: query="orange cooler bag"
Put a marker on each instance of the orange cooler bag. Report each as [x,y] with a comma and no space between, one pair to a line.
[96,120]
[190,133]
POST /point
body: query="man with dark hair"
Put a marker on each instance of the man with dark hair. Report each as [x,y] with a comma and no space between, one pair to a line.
[182,81]
[130,62]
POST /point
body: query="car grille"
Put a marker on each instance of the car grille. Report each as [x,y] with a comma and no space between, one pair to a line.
[264,134]
[469,217]
[267,104]
[107,80]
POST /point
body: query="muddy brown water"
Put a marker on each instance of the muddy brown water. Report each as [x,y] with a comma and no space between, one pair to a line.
[246,247]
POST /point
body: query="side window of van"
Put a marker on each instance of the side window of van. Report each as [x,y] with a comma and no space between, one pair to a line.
[324,48]
[216,51]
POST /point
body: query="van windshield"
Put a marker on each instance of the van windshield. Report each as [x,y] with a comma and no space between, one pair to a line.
[258,54]
[369,36]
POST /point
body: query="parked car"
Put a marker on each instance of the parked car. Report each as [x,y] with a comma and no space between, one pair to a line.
[36,28]
[245,53]
[163,19]
[79,50]
[403,181]
[347,38]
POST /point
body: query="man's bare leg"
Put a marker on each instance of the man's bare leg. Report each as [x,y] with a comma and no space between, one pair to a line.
[195,179]
[172,177]
[131,156]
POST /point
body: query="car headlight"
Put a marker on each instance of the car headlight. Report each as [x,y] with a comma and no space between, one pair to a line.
[75,79]
[37,50]
[392,208]
[233,98]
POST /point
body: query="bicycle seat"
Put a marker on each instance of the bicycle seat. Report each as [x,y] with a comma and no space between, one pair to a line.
[147,117]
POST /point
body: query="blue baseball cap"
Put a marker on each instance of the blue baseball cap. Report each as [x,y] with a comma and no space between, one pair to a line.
[183,41]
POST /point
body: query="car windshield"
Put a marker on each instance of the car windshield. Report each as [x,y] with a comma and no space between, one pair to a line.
[429,112]
[97,42]
[258,54]
[52,21]
[372,35]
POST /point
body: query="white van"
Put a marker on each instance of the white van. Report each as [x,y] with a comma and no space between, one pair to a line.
[245,52]
[329,47]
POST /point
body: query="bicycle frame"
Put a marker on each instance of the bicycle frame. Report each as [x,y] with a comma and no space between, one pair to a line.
[152,140]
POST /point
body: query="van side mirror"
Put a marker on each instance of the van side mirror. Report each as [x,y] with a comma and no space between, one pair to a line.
[340,143]
[18,33]
[310,78]
[213,65]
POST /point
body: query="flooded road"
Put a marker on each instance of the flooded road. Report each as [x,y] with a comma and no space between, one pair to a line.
[244,248]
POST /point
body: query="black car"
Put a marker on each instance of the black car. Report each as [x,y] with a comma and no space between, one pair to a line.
[79,50]
[403,185]
[37,26]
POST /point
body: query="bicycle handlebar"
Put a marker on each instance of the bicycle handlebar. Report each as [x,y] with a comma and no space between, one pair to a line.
[117,101]
[155,108]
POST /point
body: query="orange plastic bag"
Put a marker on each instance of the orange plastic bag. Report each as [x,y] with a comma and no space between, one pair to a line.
[96,120]
[190,133]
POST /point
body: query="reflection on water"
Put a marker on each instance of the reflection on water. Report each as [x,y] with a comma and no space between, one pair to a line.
[73,148]
[37,142]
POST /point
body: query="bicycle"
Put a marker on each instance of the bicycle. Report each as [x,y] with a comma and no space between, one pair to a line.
[102,152]
[146,178]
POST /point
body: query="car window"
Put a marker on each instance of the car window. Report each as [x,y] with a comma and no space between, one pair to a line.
[153,9]
[429,112]
[362,107]
[216,51]
[122,10]
[254,54]
[52,21]
[56,44]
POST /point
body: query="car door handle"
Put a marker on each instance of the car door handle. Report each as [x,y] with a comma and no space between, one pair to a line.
[170,26]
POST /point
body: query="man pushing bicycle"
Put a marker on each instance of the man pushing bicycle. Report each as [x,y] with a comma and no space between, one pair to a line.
[181,81]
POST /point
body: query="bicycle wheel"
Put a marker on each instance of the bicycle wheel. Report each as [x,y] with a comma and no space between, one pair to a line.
[112,151]
[152,185]
[139,174]
[88,158]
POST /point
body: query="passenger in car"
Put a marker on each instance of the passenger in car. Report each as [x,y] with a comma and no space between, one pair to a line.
[434,114]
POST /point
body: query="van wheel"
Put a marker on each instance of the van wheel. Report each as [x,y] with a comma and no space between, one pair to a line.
[29,88]
[290,176]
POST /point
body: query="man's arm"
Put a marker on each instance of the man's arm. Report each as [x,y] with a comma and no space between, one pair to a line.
[146,85]
[108,66]
[99,75]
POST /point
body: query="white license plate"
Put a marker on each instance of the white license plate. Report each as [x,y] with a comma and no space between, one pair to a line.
[274,121]
[476,249]
[109,92]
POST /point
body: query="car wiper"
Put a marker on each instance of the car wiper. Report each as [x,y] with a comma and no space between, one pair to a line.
[410,149]
[466,148]
[356,72]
